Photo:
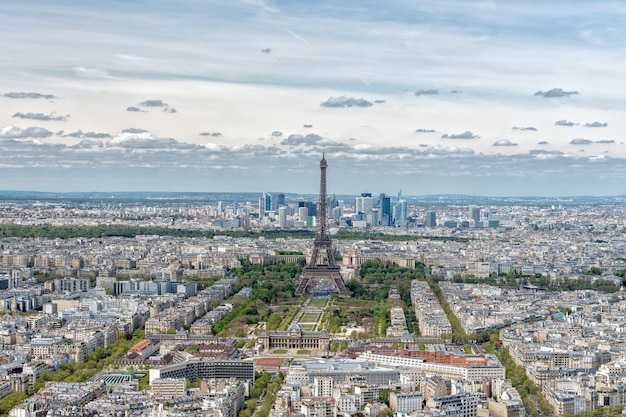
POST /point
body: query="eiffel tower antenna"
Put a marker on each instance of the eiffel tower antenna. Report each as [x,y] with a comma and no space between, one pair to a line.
[322,265]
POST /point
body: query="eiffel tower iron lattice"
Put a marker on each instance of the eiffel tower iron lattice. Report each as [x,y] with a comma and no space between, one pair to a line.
[322,267]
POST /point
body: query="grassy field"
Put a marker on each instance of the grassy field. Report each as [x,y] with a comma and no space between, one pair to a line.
[309,317]
[352,310]
[279,351]
[309,327]
[318,302]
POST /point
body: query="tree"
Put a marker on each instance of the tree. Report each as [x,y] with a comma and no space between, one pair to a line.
[384,396]
[386,412]
[10,401]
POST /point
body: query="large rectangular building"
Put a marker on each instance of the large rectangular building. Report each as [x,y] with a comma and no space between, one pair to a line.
[294,338]
[468,367]
[458,405]
[206,369]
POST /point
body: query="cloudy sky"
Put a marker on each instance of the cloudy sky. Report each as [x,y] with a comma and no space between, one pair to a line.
[485,98]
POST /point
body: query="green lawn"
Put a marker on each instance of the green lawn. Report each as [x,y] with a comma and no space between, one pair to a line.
[309,327]
[309,317]
[280,351]
[318,302]
[303,352]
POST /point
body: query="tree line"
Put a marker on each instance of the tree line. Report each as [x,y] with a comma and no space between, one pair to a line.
[49,231]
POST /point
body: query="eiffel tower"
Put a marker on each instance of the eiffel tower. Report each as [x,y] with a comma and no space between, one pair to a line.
[322,268]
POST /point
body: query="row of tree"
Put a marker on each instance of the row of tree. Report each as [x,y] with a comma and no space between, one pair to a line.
[49,231]
[515,279]
[75,372]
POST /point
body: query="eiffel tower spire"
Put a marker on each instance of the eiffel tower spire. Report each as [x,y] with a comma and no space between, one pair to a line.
[322,265]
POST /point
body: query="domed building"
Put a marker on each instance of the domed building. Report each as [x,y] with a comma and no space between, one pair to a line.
[294,338]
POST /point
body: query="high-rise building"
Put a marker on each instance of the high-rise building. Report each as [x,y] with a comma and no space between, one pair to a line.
[332,202]
[303,213]
[336,213]
[400,213]
[431,219]
[261,207]
[363,207]
[385,210]
[311,207]
[278,201]
[268,201]
[474,213]
[282,216]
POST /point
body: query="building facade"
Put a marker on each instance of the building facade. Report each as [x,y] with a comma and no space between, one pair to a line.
[294,338]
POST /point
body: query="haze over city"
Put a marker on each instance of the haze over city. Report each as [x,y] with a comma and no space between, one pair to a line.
[483,98]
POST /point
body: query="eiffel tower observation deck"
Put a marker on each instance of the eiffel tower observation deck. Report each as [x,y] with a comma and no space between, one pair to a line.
[322,275]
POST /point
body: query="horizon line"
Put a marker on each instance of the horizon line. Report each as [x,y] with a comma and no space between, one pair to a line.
[60,193]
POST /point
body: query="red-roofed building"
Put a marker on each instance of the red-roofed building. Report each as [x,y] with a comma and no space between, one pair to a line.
[269,364]
[144,348]
[141,345]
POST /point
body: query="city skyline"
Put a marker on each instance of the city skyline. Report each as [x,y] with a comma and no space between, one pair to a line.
[499,99]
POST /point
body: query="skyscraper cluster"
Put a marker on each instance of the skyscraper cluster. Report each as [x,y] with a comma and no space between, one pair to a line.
[381,212]
[275,209]
[370,210]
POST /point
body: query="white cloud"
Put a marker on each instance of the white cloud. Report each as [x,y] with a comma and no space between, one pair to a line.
[504,142]
[555,92]
[153,103]
[93,135]
[40,116]
[596,124]
[581,141]
[428,92]
[12,132]
[465,135]
[28,95]
[344,101]
[268,72]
